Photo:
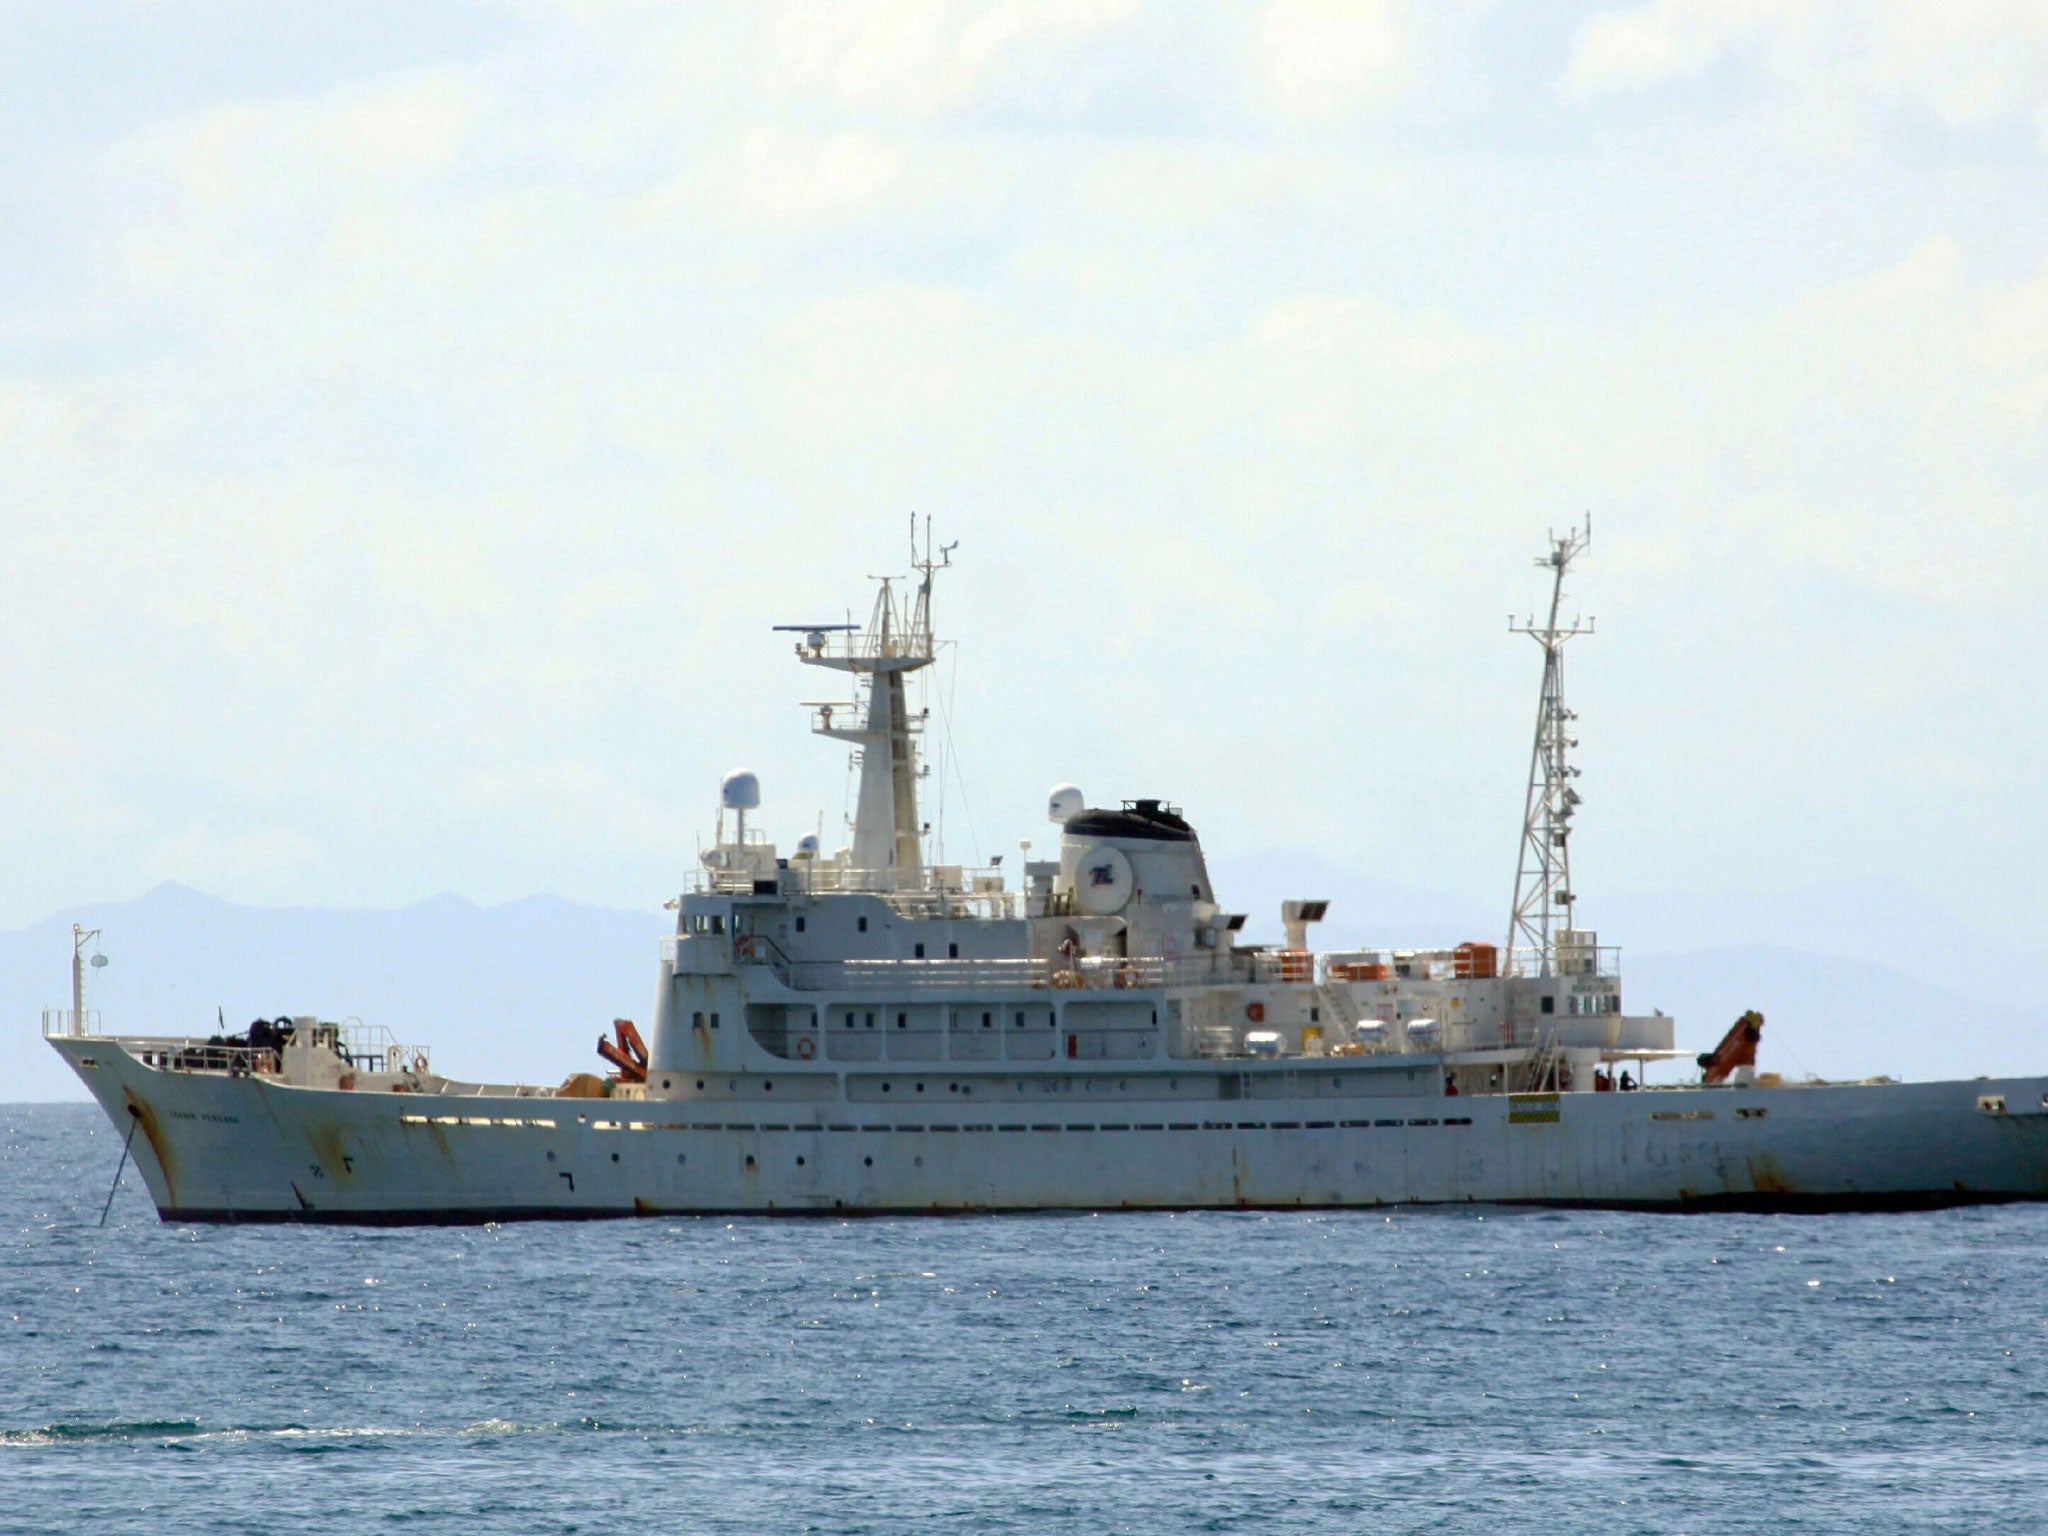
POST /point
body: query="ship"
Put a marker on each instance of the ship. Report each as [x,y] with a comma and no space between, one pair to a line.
[870,1030]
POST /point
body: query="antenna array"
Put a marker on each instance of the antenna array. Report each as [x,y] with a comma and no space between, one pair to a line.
[1543,873]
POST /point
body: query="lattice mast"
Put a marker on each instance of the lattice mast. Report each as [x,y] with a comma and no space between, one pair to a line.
[1543,874]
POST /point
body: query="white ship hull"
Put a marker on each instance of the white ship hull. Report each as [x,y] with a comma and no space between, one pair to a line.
[218,1148]
[866,1031]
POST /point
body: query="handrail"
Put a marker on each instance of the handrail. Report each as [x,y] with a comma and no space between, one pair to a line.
[1105,972]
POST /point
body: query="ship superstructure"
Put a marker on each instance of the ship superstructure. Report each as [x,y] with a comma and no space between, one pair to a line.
[868,1030]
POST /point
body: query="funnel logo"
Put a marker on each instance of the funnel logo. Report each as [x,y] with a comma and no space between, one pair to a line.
[1102,874]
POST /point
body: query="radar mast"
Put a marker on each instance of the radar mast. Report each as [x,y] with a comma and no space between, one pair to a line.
[887,851]
[1543,874]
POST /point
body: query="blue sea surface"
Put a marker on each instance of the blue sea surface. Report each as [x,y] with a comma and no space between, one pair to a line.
[1440,1371]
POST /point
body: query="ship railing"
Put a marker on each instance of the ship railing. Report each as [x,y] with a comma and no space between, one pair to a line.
[1086,973]
[373,1048]
[189,1053]
[204,1056]
[71,1021]
[1446,964]
[1580,960]
[365,1047]
[933,890]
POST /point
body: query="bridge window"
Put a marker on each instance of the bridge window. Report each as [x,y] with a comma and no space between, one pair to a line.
[799,925]
[862,924]
[920,952]
[952,951]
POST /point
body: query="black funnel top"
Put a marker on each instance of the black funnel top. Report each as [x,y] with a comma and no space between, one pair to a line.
[1149,819]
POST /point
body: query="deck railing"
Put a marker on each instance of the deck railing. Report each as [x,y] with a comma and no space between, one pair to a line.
[1107,972]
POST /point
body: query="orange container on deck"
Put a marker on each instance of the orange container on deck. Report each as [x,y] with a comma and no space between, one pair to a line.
[1297,965]
[1358,970]
[1476,960]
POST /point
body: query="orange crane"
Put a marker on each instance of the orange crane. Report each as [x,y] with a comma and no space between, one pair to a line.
[629,1055]
[1737,1049]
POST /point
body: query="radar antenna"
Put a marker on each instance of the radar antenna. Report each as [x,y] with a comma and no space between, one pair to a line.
[1543,874]
[887,851]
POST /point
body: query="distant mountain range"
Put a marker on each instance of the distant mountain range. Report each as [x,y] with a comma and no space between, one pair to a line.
[1854,980]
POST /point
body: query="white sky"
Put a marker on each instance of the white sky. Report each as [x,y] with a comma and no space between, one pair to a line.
[415,415]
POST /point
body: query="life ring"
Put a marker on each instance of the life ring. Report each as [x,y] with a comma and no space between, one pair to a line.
[806,1047]
[419,1063]
[1127,975]
[1256,1012]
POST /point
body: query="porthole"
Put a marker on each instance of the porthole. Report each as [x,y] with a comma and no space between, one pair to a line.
[799,1162]
[680,1159]
[551,1157]
[767,1087]
[700,1085]
[615,1157]
[664,1082]
[885,1087]
[750,1159]
[917,1161]
[868,1162]
[920,1087]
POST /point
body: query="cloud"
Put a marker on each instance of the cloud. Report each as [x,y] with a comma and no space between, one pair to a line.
[1966,64]
[783,179]
[430,451]
[1647,45]
[915,58]
[1324,60]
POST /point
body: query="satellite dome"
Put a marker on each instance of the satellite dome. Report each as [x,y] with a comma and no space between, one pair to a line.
[1064,803]
[739,790]
[807,846]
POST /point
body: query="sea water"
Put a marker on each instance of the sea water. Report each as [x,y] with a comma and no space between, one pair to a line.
[1455,1370]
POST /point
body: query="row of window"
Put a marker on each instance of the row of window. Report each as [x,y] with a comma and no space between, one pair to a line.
[1021,1019]
[1585,1003]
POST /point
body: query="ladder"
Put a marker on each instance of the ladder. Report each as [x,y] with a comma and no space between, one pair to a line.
[1338,997]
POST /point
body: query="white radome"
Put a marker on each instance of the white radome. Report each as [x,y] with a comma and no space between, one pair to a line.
[1064,803]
